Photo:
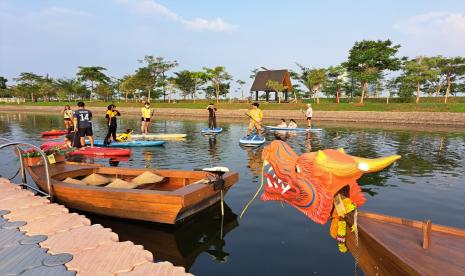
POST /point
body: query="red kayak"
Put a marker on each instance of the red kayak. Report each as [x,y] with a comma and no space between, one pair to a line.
[52,144]
[54,132]
[98,151]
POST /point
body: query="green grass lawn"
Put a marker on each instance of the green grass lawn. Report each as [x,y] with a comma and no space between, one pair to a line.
[368,106]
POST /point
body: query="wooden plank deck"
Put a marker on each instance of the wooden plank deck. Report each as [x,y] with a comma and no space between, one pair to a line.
[37,236]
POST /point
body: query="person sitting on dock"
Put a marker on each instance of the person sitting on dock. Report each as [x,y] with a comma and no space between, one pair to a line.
[256,116]
[83,124]
[292,124]
[125,136]
[283,123]
[211,116]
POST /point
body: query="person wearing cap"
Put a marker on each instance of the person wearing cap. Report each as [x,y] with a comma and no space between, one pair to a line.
[309,114]
[147,114]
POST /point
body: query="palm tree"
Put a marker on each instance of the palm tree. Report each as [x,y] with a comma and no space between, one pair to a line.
[92,74]
[241,84]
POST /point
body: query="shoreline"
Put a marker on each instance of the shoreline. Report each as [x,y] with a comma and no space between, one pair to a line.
[382,117]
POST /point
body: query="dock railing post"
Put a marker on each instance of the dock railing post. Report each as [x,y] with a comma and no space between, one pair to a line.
[44,157]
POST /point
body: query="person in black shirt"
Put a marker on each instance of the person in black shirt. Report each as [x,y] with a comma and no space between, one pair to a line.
[211,116]
[83,124]
[112,124]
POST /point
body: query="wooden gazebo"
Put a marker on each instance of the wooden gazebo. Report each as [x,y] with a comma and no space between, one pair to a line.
[259,84]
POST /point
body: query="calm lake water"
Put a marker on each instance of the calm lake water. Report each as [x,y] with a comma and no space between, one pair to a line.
[428,182]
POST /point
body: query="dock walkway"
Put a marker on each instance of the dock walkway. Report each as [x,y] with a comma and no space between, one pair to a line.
[42,238]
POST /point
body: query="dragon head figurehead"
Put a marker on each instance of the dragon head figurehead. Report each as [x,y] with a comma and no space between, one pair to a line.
[309,182]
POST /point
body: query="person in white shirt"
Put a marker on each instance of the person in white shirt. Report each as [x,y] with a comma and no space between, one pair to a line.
[283,123]
[292,124]
[309,114]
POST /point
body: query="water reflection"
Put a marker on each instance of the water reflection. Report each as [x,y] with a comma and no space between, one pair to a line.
[428,182]
[181,244]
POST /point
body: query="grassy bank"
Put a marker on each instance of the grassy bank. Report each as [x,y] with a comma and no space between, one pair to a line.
[324,106]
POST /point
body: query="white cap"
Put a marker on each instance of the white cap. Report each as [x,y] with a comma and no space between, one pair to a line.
[309,104]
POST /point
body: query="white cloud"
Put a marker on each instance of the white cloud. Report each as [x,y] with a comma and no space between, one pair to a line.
[436,31]
[198,24]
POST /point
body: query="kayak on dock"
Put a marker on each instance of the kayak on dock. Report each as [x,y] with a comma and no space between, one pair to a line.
[211,130]
[293,129]
[160,136]
[252,141]
[100,143]
[54,132]
[163,196]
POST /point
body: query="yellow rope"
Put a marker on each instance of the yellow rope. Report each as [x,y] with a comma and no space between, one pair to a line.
[357,249]
[259,188]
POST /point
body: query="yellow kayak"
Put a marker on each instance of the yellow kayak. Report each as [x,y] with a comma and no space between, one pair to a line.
[160,136]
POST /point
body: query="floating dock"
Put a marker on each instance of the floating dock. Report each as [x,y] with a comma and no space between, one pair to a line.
[42,238]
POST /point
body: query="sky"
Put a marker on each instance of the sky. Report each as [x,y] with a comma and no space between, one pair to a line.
[55,37]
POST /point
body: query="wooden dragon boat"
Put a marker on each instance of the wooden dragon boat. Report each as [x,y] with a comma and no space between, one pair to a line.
[323,185]
[398,246]
[180,194]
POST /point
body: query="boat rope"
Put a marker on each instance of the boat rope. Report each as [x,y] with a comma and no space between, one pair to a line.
[259,187]
[357,248]
[17,172]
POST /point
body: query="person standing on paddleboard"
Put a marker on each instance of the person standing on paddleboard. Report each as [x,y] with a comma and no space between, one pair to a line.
[83,124]
[112,123]
[67,116]
[147,114]
[256,116]
[309,114]
[211,116]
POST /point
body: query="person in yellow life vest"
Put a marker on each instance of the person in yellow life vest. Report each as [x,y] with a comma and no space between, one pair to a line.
[112,123]
[256,116]
[125,136]
[147,114]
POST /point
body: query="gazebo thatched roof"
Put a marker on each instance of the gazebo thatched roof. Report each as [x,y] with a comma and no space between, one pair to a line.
[281,76]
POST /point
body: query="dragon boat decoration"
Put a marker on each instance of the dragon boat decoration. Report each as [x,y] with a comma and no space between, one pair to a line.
[310,182]
[316,182]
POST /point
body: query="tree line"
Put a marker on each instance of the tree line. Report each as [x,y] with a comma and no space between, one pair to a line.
[371,68]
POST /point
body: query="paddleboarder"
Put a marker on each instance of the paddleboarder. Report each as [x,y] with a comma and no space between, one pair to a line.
[256,116]
[309,114]
[112,123]
[147,114]
[67,116]
[211,116]
[83,124]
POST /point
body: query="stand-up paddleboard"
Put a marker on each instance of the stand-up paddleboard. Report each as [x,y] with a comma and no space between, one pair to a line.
[252,141]
[100,143]
[98,151]
[211,130]
[159,136]
[54,132]
[293,129]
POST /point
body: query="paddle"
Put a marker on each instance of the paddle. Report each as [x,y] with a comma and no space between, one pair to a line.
[259,123]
